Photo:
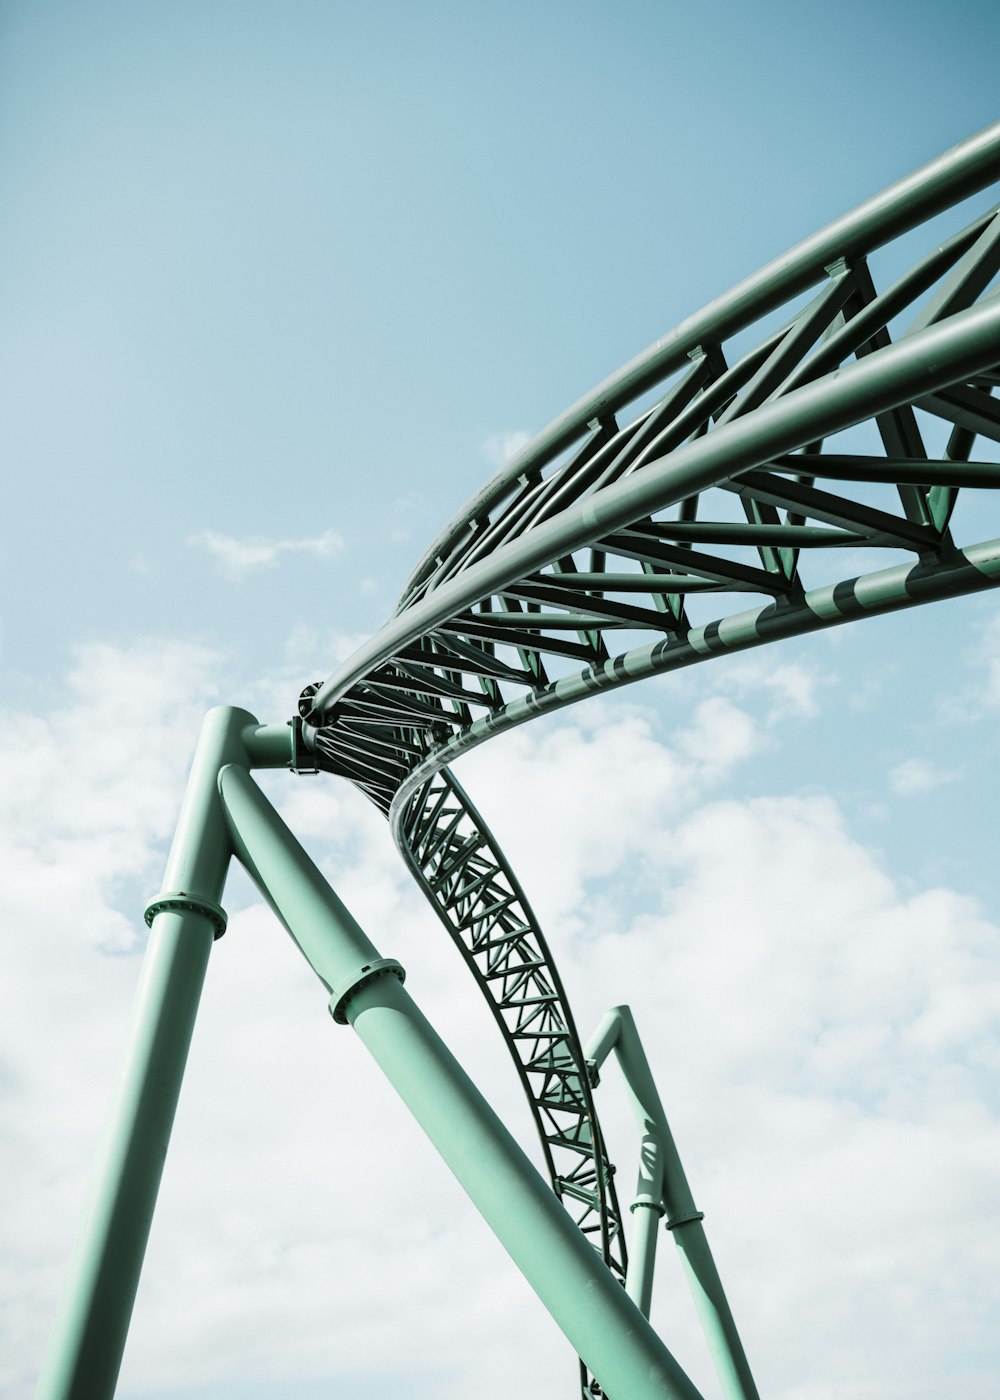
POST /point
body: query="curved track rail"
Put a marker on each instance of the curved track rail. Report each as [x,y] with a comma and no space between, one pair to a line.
[804,421]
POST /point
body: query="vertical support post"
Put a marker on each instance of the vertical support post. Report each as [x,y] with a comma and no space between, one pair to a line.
[607,1330]
[88,1338]
[647,1211]
[618,1031]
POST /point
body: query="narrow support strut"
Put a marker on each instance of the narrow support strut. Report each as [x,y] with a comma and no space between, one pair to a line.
[663,1185]
[88,1338]
[647,1212]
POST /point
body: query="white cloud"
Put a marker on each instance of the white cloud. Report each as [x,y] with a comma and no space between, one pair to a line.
[256,1219]
[825,1045]
[610,782]
[88,796]
[987,658]
[499,448]
[825,1048]
[979,695]
[405,510]
[718,737]
[915,776]
[311,654]
[235,558]
[789,689]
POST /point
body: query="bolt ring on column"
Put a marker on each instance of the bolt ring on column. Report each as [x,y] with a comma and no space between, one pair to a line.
[181,900]
[342,994]
[685,1220]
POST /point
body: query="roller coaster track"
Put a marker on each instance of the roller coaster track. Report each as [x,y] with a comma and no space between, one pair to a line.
[747,456]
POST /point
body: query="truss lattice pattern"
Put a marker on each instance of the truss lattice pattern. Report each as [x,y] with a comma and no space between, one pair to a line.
[808,422]
[465,876]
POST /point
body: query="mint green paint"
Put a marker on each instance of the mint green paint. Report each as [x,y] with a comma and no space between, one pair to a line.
[663,1184]
[88,1338]
[603,1324]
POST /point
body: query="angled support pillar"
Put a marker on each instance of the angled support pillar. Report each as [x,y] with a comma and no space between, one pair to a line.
[88,1337]
[606,1329]
[647,1212]
[224,812]
[663,1188]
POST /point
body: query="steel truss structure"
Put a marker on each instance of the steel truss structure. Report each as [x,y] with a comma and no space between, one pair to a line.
[808,419]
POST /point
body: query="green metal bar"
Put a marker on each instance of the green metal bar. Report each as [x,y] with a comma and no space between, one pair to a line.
[942,471]
[886,590]
[275,745]
[647,1212]
[607,1330]
[950,177]
[962,345]
[88,1338]
[617,1031]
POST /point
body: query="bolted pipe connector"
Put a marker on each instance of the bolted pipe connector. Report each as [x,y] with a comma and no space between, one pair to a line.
[647,1203]
[180,901]
[343,992]
[689,1219]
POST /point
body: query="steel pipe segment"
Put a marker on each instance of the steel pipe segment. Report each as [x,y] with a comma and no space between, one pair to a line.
[711,495]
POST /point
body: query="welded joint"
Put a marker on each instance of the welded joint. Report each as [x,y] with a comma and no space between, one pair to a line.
[182,902]
[688,1219]
[840,267]
[302,760]
[343,992]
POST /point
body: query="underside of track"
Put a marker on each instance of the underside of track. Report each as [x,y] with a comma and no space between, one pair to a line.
[799,454]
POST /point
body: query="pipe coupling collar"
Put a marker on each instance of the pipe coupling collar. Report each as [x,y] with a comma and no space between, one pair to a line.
[680,1220]
[180,901]
[342,993]
[647,1203]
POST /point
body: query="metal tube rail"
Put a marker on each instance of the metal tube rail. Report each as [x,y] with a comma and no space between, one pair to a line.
[617,1031]
[958,347]
[628,1358]
[88,1337]
[950,177]
[886,590]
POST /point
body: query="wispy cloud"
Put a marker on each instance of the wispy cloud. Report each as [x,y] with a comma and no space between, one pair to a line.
[235,558]
[788,689]
[983,696]
[840,1026]
[791,686]
[916,775]
[501,447]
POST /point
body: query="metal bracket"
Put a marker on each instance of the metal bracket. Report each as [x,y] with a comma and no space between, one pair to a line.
[342,994]
[302,760]
[190,903]
[840,267]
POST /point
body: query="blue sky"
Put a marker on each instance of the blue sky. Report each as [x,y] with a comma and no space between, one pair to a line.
[279,283]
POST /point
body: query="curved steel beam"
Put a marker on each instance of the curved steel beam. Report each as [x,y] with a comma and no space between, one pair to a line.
[903,374]
[952,176]
[458,864]
[602,554]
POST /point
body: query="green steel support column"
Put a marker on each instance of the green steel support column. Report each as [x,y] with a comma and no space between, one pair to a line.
[618,1031]
[88,1338]
[607,1330]
[647,1210]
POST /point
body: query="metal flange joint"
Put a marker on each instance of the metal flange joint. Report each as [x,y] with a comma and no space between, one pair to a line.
[180,901]
[344,990]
